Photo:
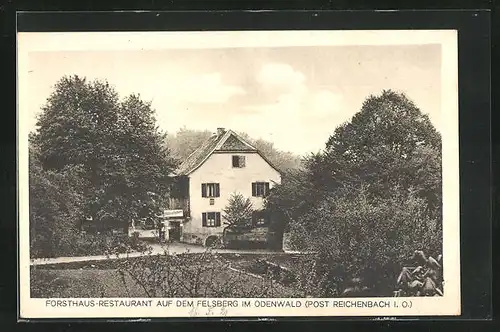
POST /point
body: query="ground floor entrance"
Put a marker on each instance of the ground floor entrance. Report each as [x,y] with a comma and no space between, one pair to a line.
[174,230]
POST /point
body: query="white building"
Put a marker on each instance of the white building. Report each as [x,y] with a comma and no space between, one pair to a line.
[224,164]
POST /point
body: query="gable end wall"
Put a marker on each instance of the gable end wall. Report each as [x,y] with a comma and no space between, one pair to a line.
[218,169]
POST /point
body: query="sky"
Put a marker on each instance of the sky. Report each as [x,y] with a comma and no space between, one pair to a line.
[292,96]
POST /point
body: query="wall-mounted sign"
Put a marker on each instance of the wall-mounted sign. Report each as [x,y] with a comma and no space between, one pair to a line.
[173,213]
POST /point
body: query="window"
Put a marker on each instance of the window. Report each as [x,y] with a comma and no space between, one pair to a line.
[210,190]
[238,161]
[210,219]
[260,189]
[259,219]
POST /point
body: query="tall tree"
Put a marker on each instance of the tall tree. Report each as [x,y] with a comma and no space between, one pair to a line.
[116,145]
[283,160]
[370,199]
[140,169]
[185,141]
[388,143]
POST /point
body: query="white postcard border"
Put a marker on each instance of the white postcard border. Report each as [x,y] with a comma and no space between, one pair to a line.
[449,304]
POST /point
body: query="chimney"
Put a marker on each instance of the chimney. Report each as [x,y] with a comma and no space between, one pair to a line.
[220,131]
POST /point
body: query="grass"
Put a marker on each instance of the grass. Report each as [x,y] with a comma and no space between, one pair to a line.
[81,284]
[102,279]
[288,261]
[283,259]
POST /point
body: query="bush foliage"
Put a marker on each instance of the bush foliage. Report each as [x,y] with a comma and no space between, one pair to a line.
[196,275]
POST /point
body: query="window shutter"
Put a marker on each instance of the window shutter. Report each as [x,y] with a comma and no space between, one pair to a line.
[203,190]
[254,189]
[266,191]
[242,161]
[217,219]
[217,190]
[204,219]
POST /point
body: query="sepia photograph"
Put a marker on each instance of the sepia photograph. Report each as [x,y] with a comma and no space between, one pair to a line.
[311,171]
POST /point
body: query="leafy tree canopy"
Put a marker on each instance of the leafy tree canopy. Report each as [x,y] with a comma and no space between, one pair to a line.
[371,198]
[115,143]
[388,143]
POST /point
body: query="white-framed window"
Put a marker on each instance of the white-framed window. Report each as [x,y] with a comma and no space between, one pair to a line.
[210,190]
[210,219]
[260,189]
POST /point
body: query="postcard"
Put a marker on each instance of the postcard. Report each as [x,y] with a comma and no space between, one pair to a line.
[238,174]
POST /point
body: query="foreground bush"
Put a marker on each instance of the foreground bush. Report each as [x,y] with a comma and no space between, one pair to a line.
[56,203]
[99,244]
[193,275]
[365,242]
[56,207]
[78,244]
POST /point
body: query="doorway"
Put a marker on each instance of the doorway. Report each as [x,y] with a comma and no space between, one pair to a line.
[174,233]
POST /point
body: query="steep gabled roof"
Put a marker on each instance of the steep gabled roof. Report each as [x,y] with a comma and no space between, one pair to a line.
[234,143]
[199,155]
[225,140]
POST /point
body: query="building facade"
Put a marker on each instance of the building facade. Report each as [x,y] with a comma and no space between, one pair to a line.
[224,165]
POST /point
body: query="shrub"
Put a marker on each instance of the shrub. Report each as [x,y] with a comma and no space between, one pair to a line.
[258,266]
[298,238]
[237,215]
[55,205]
[195,275]
[79,244]
[368,241]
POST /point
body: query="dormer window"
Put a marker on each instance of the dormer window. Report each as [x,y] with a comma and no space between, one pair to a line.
[238,161]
